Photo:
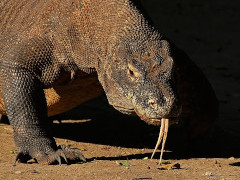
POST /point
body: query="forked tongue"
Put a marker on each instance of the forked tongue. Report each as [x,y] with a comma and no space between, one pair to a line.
[162,135]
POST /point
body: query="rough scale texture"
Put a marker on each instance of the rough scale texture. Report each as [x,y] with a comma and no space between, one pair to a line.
[53,52]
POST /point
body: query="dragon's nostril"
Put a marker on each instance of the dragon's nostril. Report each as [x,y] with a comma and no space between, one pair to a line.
[152,104]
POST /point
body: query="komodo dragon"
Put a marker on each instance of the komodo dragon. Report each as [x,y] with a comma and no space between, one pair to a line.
[55,55]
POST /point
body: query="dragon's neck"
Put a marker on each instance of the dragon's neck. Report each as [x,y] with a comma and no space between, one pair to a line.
[104,22]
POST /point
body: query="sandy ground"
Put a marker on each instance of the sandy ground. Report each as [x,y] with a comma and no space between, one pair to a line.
[209,33]
[104,163]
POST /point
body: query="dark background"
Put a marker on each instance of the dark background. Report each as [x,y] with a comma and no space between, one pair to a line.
[208,31]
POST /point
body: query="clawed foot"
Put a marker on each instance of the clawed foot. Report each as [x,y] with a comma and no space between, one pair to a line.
[63,152]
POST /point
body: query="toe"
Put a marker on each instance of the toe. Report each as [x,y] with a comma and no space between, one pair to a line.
[72,154]
[22,157]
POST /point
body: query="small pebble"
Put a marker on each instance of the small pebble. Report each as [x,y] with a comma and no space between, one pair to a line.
[232,158]
[208,174]
[35,172]
[18,172]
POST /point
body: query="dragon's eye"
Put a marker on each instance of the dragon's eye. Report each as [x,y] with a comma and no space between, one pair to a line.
[148,55]
[132,73]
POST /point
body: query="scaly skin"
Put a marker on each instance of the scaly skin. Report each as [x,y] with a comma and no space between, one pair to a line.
[53,51]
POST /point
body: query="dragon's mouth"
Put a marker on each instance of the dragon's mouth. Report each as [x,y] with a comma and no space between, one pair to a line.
[124,110]
[157,121]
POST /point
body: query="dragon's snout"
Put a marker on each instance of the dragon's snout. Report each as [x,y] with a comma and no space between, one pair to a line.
[157,107]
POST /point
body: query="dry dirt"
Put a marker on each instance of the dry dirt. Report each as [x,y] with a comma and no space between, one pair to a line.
[209,33]
[103,163]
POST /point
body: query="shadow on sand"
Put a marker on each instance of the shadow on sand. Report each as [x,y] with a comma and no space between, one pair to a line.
[97,122]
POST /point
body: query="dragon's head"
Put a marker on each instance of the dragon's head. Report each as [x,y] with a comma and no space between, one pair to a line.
[139,78]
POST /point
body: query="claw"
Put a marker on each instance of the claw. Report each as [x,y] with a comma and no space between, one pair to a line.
[53,157]
[61,154]
[72,152]
[22,158]
[58,158]
[162,135]
[15,162]
[16,159]
[80,156]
